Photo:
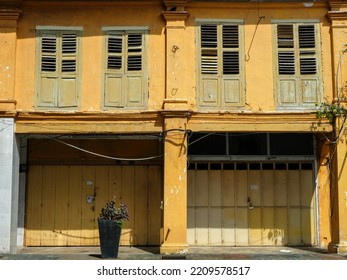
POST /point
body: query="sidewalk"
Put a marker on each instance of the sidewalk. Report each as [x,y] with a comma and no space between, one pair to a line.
[195,253]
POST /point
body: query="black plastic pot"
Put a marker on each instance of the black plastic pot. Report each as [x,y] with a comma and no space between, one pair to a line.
[109,235]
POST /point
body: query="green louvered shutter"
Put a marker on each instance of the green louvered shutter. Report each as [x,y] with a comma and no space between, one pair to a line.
[298,79]
[125,73]
[221,76]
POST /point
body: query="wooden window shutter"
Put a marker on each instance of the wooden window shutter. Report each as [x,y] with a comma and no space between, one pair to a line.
[48,82]
[286,55]
[68,79]
[57,83]
[220,66]
[114,74]
[298,78]
[308,64]
[209,51]
[125,75]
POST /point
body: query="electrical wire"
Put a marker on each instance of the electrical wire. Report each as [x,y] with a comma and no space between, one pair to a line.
[105,156]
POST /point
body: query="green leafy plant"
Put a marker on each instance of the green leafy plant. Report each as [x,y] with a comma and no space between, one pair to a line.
[112,212]
[330,111]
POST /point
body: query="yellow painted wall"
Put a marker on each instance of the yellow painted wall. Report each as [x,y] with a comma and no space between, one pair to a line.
[258,46]
[258,68]
[91,18]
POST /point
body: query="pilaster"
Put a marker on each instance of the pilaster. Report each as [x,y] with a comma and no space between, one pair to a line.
[9,15]
[338,17]
[175,182]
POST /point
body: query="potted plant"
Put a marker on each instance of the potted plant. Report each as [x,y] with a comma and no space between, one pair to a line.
[110,222]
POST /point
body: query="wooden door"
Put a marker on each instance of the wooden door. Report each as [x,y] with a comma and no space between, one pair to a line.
[59,211]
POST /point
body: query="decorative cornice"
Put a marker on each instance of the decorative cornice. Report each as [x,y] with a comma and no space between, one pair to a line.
[337,15]
[10,10]
[175,10]
[175,16]
[337,5]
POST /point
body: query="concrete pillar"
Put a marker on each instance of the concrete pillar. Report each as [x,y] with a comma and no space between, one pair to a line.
[9,186]
[175,184]
[175,113]
[9,14]
[338,18]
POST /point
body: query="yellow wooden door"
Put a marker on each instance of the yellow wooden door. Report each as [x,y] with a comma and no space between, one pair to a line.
[252,205]
[59,211]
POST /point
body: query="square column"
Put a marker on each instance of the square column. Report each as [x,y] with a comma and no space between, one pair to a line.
[9,186]
[175,184]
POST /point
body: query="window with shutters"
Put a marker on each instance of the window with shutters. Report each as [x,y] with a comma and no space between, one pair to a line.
[220,65]
[58,68]
[125,68]
[298,80]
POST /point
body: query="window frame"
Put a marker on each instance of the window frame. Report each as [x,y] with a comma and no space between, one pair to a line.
[124,104]
[301,80]
[57,103]
[221,104]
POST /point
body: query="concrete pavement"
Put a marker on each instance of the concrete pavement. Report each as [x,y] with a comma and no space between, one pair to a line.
[195,253]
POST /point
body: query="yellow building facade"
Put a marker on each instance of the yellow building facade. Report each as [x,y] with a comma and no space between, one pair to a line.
[199,115]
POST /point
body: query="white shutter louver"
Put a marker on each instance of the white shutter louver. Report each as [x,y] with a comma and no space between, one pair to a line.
[209,52]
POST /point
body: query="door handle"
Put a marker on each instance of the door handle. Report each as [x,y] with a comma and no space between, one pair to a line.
[250,204]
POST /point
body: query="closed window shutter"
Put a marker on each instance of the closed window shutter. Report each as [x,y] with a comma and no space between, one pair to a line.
[125,81]
[57,87]
[48,82]
[220,84]
[298,79]
[68,81]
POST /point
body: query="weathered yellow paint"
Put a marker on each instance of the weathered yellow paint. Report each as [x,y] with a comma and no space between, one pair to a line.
[175,186]
[58,213]
[172,86]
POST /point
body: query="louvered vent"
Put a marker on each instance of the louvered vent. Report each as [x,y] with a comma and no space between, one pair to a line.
[286,59]
[231,63]
[134,52]
[308,66]
[230,36]
[69,49]
[48,51]
[230,58]
[308,63]
[68,65]
[209,53]
[286,63]
[114,60]
[306,36]
[285,36]
[69,43]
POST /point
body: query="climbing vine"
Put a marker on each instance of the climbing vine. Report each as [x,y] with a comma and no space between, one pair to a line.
[331,112]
